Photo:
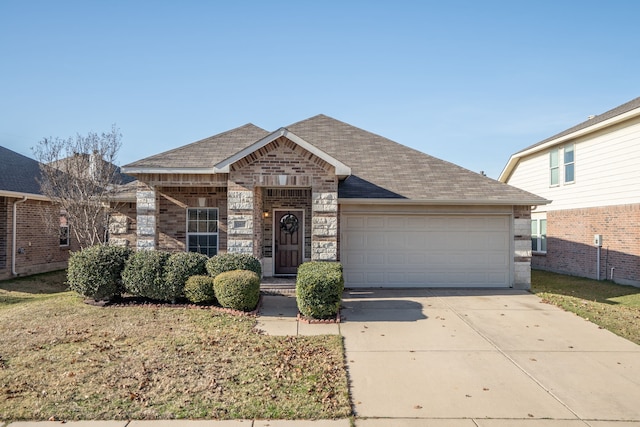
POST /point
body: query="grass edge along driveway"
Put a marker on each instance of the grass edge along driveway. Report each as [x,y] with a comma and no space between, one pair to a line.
[608,305]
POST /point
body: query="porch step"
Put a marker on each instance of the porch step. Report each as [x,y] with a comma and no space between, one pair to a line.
[278,285]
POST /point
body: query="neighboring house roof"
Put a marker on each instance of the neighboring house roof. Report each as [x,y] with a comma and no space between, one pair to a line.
[19,175]
[377,167]
[616,115]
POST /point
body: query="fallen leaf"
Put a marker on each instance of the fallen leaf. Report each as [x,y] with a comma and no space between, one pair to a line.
[417,407]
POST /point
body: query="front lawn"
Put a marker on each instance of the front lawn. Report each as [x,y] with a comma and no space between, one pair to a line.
[63,358]
[613,307]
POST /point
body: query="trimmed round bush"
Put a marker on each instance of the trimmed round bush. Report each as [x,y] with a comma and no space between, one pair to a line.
[233,261]
[143,275]
[319,287]
[237,289]
[199,289]
[179,267]
[95,272]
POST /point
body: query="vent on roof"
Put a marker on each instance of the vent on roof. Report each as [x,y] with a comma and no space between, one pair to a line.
[591,117]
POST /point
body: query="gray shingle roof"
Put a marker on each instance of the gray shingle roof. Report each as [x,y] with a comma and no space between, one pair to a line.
[18,173]
[381,168]
[206,152]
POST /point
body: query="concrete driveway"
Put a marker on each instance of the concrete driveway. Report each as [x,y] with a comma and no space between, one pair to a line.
[483,358]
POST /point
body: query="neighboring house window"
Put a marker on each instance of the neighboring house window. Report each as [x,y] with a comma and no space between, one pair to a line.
[64,230]
[202,230]
[569,164]
[553,167]
[539,235]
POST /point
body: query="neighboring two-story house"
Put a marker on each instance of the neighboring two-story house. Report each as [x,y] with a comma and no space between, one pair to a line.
[591,172]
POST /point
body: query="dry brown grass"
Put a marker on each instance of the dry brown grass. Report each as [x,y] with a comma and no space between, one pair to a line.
[62,358]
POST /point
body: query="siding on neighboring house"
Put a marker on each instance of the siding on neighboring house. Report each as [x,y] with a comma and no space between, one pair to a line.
[4,235]
[606,171]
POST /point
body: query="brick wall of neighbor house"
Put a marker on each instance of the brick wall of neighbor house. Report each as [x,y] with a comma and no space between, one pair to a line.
[39,250]
[4,235]
[173,202]
[122,225]
[282,163]
[522,247]
[570,248]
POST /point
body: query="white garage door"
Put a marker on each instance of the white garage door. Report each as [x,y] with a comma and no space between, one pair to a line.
[426,251]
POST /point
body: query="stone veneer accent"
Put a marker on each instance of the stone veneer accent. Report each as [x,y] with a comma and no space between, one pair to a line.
[146,218]
[240,221]
[522,247]
[324,233]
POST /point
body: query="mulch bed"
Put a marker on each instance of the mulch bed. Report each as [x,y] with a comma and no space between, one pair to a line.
[150,303]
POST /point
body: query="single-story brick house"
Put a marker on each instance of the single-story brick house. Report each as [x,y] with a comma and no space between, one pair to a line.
[321,189]
[25,246]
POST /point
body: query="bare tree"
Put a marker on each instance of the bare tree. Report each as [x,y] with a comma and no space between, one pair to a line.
[80,176]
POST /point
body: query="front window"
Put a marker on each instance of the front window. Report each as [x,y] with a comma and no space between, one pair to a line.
[64,229]
[202,230]
[569,164]
[553,167]
[539,235]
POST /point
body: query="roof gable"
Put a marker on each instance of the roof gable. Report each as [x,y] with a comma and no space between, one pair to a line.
[342,170]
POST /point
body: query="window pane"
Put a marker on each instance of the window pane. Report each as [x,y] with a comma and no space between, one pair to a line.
[568,173]
[554,176]
[543,243]
[553,158]
[213,227]
[568,154]
[192,227]
[193,214]
[534,244]
[534,227]
[543,227]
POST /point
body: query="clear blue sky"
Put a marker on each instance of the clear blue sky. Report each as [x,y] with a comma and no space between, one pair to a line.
[470,82]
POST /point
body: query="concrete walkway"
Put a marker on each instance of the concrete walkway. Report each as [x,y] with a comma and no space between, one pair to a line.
[449,358]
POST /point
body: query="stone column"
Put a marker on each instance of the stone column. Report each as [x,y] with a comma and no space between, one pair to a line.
[324,226]
[240,221]
[147,218]
[522,247]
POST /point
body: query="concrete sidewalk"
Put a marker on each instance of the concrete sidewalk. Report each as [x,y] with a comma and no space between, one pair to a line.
[468,358]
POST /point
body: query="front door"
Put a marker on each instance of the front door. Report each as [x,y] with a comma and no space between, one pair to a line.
[287,236]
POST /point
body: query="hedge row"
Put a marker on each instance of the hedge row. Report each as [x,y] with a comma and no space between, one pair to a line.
[104,272]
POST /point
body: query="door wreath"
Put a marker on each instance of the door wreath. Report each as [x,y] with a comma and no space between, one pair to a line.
[289,223]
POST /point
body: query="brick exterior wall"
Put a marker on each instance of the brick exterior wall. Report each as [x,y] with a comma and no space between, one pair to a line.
[4,235]
[570,248]
[172,219]
[39,250]
[283,164]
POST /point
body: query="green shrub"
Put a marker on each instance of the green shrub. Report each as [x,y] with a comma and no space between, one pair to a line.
[233,261]
[199,289]
[179,267]
[95,272]
[143,275]
[237,289]
[319,287]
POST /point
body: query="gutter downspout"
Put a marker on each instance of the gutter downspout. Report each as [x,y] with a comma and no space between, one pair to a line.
[15,232]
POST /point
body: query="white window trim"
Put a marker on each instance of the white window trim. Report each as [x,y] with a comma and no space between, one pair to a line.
[565,164]
[65,245]
[552,168]
[188,233]
[538,235]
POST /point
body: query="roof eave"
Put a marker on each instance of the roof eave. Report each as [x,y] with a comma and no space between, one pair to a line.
[18,194]
[474,202]
[515,158]
[132,170]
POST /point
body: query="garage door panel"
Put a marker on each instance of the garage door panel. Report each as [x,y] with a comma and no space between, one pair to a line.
[426,250]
